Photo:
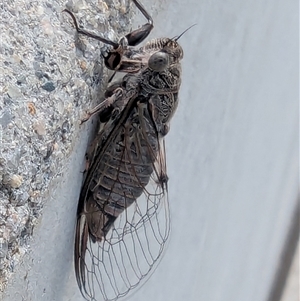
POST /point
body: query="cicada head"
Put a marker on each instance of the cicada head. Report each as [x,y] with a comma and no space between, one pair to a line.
[174,50]
[170,53]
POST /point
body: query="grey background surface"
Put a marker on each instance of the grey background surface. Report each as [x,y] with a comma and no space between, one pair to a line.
[232,161]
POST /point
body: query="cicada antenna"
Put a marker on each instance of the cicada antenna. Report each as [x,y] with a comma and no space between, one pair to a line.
[177,38]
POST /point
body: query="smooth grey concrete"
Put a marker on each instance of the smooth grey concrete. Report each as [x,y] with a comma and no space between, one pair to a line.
[232,160]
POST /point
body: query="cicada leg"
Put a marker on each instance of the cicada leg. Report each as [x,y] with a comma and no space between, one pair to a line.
[107,102]
[113,58]
[135,37]
[89,34]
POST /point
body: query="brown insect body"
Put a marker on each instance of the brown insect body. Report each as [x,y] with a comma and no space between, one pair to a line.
[131,154]
[123,214]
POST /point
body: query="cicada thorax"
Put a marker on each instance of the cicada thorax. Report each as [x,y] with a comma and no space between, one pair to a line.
[161,86]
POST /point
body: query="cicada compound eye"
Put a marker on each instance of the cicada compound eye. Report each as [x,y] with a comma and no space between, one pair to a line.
[158,61]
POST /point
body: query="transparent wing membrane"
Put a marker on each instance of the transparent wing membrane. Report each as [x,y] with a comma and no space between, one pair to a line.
[129,251]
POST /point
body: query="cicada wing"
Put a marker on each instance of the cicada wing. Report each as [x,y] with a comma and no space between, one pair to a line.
[110,267]
[130,250]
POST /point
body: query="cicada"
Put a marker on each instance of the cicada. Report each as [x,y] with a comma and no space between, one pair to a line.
[123,219]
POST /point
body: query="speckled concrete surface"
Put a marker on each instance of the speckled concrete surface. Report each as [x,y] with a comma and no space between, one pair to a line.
[48,79]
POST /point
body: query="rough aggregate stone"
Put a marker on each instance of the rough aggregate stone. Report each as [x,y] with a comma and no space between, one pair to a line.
[49,78]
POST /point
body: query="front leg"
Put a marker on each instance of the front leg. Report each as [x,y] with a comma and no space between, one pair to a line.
[106,103]
[113,58]
[139,35]
[114,103]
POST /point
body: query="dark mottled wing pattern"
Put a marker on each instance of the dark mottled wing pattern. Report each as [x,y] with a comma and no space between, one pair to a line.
[123,215]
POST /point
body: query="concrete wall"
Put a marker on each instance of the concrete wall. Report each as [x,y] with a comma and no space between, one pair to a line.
[232,162]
